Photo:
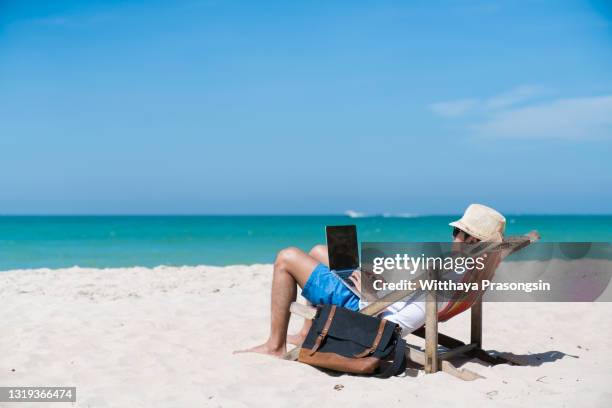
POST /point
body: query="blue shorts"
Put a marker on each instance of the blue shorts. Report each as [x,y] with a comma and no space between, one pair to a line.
[325,288]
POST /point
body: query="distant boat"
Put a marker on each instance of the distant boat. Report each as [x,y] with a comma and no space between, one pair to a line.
[355,214]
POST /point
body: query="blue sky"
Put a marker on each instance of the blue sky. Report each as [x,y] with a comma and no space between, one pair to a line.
[241,107]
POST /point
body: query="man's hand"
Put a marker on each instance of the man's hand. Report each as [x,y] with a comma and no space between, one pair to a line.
[366,290]
[356,279]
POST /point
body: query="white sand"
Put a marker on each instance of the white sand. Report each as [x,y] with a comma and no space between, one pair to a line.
[164,337]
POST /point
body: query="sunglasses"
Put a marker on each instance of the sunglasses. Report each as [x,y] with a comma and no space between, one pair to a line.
[456,232]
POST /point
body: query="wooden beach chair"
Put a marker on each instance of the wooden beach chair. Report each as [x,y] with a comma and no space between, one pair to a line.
[431,358]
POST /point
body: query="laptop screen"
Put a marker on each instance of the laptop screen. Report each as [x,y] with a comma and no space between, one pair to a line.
[342,247]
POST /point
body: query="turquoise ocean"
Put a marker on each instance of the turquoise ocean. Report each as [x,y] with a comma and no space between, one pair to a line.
[122,241]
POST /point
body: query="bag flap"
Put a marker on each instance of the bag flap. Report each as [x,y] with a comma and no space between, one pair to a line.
[354,326]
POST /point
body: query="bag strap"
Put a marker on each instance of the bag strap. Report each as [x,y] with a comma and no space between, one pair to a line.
[323,333]
[381,330]
[399,360]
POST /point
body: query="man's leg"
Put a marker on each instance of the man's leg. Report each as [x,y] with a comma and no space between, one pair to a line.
[318,252]
[291,266]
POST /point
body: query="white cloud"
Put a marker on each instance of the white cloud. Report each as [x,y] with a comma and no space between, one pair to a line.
[454,108]
[573,118]
[514,97]
[463,107]
[515,114]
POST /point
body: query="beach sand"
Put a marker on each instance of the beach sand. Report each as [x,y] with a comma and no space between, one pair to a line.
[163,337]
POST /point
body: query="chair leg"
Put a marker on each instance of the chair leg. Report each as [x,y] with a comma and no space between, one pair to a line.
[431,332]
[476,326]
[307,312]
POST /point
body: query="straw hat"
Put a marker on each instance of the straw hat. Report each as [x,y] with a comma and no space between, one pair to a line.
[482,222]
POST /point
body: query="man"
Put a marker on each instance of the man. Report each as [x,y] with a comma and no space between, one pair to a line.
[319,286]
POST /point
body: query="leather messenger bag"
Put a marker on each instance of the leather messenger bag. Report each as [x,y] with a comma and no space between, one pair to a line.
[347,341]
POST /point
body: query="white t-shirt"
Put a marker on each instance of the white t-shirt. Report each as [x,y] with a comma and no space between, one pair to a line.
[409,313]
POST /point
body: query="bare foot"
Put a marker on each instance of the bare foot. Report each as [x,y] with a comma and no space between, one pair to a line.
[296,339]
[264,349]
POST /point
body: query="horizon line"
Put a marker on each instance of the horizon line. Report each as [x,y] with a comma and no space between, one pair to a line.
[373,215]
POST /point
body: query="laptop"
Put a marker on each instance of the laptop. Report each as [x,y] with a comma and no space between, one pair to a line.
[343,252]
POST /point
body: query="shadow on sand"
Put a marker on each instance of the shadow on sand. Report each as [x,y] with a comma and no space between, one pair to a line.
[527,360]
